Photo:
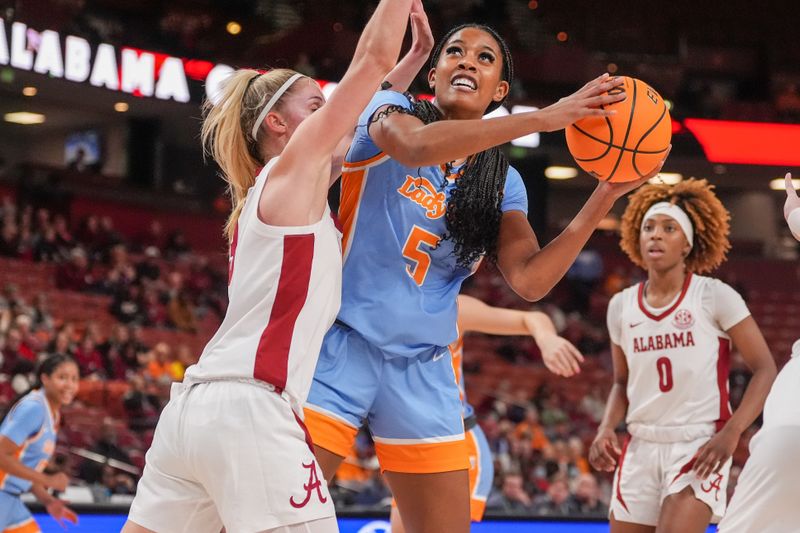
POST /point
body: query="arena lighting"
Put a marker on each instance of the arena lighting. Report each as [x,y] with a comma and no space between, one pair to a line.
[233,27]
[157,75]
[560,173]
[24,117]
[29,91]
[779,184]
[667,178]
[748,143]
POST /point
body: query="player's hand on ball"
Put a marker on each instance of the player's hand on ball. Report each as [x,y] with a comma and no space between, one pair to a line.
[620,189]
[604,451]
[713,455]
[587,101]
[792,200]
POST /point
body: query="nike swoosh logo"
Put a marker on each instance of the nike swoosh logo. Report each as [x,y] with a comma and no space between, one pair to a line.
[634,324]
[437,357]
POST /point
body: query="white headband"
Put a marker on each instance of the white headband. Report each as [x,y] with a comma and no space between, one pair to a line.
[674,212]
[272,101]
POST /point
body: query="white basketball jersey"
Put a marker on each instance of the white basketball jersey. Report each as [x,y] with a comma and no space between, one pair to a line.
[284,293]
[678,357]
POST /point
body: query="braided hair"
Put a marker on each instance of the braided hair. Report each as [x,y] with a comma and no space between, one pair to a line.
[473,212]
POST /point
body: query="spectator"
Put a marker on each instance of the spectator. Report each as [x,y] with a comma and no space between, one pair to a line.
[112,482]
[141,406]
[586,497]
[148,271]
[577,455]
[128,306]
[532,430]
[593,404]
[160,367]
[18,358]
[75,275]
[89,359]
[512,498]
[62,344]
[180,313]
[107,446]
[9,240]
[154,311]
[41,315]
[118,352]
[122,273]
[109,236]
[184,360]
[90,236]
[177,244]
[556,501]
[63,235]
[152,237]
[23,324]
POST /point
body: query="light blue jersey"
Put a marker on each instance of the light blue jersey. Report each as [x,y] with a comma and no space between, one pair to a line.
[32,426]
[400,279]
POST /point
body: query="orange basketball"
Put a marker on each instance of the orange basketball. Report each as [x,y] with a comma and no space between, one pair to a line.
[628,145]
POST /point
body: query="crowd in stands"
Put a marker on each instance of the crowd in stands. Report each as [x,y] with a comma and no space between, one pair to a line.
[146,282]
[539,427]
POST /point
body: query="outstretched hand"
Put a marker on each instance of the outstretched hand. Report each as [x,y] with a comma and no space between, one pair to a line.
[588,101]
[560,356]
[792,200]
[619,189]
[421,35]
[61,513]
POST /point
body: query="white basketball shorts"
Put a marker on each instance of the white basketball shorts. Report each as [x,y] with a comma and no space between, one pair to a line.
[648,472]
[234,454]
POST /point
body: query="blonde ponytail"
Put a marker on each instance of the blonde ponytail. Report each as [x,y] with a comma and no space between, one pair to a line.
[226,130]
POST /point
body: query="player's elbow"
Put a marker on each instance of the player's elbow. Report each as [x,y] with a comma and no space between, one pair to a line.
[530,288]
[409,152]
[532,292]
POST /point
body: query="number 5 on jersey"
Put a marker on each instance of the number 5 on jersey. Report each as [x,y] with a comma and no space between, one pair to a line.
[420,259]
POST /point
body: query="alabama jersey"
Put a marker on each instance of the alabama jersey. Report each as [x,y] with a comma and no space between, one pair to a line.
[32,426]
[284,292]
[401,277]
[677,356]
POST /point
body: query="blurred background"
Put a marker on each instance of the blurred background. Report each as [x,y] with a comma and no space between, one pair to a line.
[111,244]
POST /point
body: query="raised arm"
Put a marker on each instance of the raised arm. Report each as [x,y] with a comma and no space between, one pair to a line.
[558,354]
[399,79]
[403,74]
[409,141]
[312,145]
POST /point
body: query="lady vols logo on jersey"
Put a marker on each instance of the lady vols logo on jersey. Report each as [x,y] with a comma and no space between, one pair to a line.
[423,193]
[683,319]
